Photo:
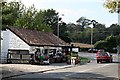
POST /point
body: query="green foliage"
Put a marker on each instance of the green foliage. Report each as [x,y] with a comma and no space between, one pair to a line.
[118,40]
[100,44]
[74,54]
[32,19]
[108,44]
[111,42]
[114,29]
[16,14]
[84,59]
[112,5]
[100,32]
[10,12]
[83,22]
[51,19]
[22,17]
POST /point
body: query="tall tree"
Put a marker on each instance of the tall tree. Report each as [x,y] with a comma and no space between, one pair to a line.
[109,43]
[83,22]
[100,32]
[10,12]
[112,5]
[23,17]
[114,29]
[64,34]
[51,19]
[26,19]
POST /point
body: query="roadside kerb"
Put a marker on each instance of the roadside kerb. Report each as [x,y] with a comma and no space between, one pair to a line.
[19,73]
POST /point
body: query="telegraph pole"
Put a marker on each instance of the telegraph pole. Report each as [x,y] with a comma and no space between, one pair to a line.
[58,27]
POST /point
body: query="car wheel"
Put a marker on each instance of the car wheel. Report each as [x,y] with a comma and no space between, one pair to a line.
[32,62]
[98,61]
[111,60]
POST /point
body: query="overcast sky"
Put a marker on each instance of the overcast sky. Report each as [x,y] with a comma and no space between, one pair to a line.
[74,9]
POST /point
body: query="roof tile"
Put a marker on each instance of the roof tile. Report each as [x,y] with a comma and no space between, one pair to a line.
[34,37]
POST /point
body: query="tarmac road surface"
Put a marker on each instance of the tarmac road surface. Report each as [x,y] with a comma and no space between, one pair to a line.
[90,71]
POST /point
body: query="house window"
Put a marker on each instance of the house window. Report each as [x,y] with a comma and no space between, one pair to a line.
[18,51]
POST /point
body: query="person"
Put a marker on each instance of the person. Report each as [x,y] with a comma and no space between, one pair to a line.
[77,60]
[32,59]
[68,59]
[37,54]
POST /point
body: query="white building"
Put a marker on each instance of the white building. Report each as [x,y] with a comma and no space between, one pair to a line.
[24,41]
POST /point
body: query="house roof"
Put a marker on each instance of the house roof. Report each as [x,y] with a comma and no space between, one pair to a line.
[38,38]
[82,45]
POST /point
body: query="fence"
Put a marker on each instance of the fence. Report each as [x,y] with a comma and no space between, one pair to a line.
[3,57]
[15,58]
[18,58]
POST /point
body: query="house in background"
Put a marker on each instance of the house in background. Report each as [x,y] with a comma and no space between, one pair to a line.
[25,41]
[82,45]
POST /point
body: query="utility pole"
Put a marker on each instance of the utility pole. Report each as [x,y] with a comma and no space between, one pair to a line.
[91,34]
[58,27]
[118,11]
[93,22]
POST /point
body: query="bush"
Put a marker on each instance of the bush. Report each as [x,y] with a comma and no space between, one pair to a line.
[108,44]
[74,54]
[100,44]
[84,49]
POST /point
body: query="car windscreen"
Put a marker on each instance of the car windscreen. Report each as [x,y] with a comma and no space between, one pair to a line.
[103,54]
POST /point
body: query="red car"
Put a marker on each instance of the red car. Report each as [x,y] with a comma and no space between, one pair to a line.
[103,56]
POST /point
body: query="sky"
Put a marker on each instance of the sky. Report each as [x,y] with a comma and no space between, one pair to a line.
[74,9]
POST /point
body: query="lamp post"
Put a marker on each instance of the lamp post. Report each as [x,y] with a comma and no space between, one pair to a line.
[92,24]
[58,27]
[118,46]
[91,41]
[118,10]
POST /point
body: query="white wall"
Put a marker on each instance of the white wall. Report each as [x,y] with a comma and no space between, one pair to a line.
[16,43]
[5,44]
[11,41]
[75,49]
[1,40]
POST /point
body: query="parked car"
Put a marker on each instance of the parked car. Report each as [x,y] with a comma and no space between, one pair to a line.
[58,57]
[92,50]
[103,56]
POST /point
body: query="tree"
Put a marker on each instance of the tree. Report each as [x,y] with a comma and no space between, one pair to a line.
[23,17]
[93,22]
[112,5]
[32,19]
[118,39]
[83,22]
[64,32]
[114,29]
[0,15]
[100,44]
[108,44]
[111,42]
[51,19]
[27,17]
[10,12]
[100,32]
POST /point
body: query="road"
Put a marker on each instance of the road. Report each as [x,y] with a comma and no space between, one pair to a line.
[93,55]
[90,71]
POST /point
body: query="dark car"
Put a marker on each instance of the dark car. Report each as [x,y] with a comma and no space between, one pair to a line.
[57,57]
[103,56]
[92,50]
